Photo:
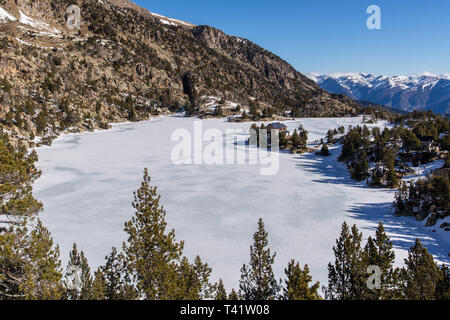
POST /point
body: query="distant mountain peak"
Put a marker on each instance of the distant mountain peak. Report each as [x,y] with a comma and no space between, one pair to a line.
[425,91]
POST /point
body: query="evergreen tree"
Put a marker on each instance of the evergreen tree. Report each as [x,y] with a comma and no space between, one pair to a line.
[346,277]
[410,141]
[118,285]
[421,275]
[153,258]
[303,137]
[193,281]
[17,175]
[297,283]
[152,255]
[218,111]
[186,286]
[330,136]
[43,268]
[324,151]
[98,286]
[283,143]
[447,162]
[234,296]
[379,252]
[365,132]
[30,268]
[296,142]
[78,266]
[29,262]
[392,178]
[360,170]
[257,279]
[221,293]
[443,286]
[203,272]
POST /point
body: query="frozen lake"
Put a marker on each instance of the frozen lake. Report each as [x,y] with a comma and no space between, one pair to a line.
[88,182]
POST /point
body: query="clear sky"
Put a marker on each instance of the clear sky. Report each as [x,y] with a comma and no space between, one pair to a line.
[331,35]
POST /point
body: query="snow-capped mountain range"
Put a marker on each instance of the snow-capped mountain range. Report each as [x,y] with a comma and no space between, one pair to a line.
[425,91]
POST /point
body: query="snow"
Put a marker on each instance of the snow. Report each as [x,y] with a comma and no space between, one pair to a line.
[422,171]
[211,102]
[24,19]
[31,45]
[4,15]
[349,80]
[167,22]
[88,182]
[23,42]
[170,21]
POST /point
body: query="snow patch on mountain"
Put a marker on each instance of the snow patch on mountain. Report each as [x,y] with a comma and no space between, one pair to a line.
[5,16]
[26,20]
[170,21]
[422,91]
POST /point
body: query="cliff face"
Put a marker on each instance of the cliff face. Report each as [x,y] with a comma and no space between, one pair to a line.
[127,63]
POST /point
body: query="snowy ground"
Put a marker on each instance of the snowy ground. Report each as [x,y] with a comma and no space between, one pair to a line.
[88,180]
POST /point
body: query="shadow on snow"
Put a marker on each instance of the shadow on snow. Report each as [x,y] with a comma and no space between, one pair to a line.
[402,230]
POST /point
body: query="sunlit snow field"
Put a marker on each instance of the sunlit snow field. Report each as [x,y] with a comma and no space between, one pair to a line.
[88,182]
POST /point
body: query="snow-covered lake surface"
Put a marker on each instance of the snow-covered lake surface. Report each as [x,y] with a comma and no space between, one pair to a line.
[88,182]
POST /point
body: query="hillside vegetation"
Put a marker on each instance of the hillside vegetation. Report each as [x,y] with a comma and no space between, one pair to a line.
[127,64]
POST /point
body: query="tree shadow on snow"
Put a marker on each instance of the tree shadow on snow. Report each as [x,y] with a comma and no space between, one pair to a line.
[328,168]
[403,231]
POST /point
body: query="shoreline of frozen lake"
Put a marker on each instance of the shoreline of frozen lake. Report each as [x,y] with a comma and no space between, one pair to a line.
[88,182]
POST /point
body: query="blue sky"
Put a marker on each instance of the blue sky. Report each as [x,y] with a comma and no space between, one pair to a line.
[331,36]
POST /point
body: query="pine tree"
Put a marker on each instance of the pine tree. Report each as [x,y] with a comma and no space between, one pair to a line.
[379,252]
[152,255]
[153,258]
[98,286]
[447,162]
[363,167]
[330,136]
[296,142]
[78,266]
[392,178]
[324,151]
[218,111]
[29,262]
[205,289]
[257,279]
[297,283]
[421,275]
[193,281]
[303,137]
[346,277]
[283,143]
[17,175]
[42,276]
[221,293]
[118,283]
[234,296]
[443,286]
[186,286]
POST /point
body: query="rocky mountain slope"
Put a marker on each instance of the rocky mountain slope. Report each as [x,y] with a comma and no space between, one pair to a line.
[128,63]
[424,91]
